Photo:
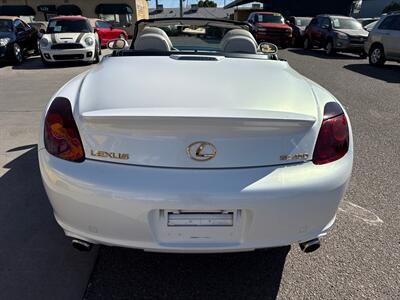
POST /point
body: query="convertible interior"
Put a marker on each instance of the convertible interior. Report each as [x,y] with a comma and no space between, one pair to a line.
[195,36]
[235,40]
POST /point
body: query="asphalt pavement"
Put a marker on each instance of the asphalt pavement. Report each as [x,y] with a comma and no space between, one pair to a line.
[359,259]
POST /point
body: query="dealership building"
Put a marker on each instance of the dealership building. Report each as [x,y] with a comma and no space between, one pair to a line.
[120,13]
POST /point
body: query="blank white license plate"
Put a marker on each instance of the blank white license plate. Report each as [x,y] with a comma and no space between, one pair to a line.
[200,219]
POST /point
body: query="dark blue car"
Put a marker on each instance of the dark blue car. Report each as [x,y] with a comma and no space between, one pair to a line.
[17,39]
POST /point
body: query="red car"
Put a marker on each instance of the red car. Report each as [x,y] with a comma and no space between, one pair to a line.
[106,31]
[270,27]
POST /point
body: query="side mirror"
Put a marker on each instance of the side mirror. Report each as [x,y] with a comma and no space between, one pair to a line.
[268,48]
[118,44]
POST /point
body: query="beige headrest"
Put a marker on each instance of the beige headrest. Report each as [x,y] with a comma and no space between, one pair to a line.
[153,39]
[239,41]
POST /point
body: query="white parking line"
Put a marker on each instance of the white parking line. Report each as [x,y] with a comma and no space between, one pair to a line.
[360,213]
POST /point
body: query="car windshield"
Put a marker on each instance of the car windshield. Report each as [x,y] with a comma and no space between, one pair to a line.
[270,18]
[303,21]
[192,35]
[346,23]
[371,26]
[6,25]
[103,24]
[57,26]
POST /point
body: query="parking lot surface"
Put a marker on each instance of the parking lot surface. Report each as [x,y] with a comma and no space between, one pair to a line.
[359,259]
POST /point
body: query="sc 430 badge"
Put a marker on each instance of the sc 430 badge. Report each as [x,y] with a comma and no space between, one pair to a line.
[297,156]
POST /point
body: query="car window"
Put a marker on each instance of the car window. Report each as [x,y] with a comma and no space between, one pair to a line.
[101,24]
[6,26]
[19,26]
[396,23]
[390,23]
[57,26]
[314,21]
[270,18]
[302,21]
[26,26]
[325,23]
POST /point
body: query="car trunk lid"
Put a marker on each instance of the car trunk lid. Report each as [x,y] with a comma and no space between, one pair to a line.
[269,120]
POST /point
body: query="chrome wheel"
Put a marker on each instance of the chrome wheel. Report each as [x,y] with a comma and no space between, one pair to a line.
[18,53]
[376,56]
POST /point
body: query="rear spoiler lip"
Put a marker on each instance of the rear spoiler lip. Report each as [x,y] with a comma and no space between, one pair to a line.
[241,115]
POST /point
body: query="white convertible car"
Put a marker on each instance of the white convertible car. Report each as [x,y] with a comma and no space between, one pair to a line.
[70,38]
[194,139]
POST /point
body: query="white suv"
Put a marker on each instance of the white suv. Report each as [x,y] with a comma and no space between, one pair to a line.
[383,43]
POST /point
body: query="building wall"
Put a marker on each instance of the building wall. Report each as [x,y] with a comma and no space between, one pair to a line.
[373,8]
[139,7]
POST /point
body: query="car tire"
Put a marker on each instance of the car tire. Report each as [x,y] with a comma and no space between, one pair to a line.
[293,42]
[377,56]
[329,49]
[307,45]
[18,54]
[96,59]
[37,48]
[44,61]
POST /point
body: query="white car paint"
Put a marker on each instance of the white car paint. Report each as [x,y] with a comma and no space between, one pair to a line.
[68,38]
[155,116]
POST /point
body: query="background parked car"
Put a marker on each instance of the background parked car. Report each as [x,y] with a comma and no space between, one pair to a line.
[17,39]
[370,26]
[107,32]
[365,21]
[270,27]
[336,33]
[384,40]
[70,38]
[298,25]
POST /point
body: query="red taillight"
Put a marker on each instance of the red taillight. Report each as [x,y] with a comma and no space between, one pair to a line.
[333,138]
[61,136]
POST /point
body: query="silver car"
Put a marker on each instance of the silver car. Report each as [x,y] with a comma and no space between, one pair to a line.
[383,43]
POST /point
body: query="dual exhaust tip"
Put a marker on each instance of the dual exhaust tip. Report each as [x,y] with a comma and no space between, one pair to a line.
[306,247]
[81,245]
[310,246]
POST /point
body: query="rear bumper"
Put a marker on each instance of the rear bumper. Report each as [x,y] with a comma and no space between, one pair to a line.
[84,54]
[122,205]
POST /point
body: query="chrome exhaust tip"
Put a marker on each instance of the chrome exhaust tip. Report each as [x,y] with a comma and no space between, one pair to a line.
[81,245]
[310,246]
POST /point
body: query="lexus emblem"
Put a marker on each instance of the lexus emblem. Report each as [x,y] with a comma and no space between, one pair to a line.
[201,151]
